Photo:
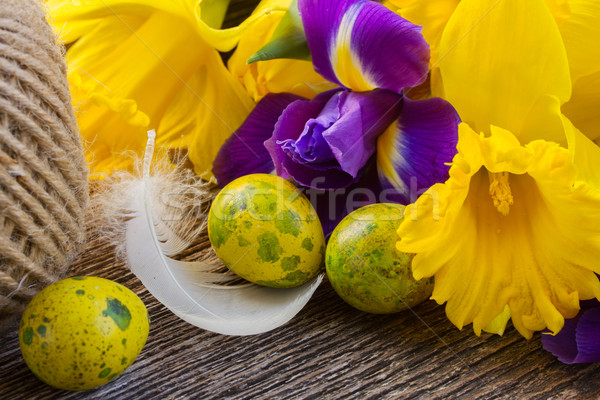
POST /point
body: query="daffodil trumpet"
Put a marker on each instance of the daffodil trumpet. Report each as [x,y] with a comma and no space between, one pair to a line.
[513,233]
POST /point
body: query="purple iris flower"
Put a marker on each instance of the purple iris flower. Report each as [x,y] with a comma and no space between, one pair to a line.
[324,143]
[579,339]
[368,124]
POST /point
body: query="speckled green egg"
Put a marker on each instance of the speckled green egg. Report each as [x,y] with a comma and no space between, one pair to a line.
[266,231]
[82,332]
[364,266]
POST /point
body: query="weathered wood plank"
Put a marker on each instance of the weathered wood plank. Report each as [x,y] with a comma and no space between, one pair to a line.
[329,350]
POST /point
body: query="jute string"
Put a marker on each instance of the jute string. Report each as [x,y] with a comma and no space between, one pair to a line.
[43,174]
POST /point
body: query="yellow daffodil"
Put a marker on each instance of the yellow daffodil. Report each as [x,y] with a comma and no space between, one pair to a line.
[433,15]
[142,64]
[513,232]
[273,76]
[579,24]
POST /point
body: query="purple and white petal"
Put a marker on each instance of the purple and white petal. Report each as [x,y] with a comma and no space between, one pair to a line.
[415,152]
[362,45]
[325,144]
[244,151]
[363,117]
[288,129]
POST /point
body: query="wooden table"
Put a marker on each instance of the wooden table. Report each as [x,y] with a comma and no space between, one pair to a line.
[329,350]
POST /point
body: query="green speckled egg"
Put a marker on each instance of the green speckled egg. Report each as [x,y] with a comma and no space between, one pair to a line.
[266,231]
[82,332]
[364,266]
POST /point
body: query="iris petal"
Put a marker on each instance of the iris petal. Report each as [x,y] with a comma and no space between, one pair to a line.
[244,152]
[414,153]
[290,125]
[326,142]
[362,45]
[577,342]
[353,144]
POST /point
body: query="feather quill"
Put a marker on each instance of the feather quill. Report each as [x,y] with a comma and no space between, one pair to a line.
[193,290]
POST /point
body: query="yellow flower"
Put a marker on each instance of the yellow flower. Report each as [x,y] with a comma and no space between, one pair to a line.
[143,64]
[512,226]
[273,76]
[579,24]
[514,229]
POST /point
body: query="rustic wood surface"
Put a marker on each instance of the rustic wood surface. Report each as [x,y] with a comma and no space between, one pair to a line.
[329,350]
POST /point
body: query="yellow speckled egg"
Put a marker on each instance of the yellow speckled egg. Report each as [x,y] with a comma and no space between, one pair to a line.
[82,332]
[266,231]
[364,266]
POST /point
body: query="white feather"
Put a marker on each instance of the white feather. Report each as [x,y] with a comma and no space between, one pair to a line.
[190,289]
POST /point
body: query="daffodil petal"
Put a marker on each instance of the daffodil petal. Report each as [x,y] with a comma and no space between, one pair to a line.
[583,107]
[293,76]
[200,15]
[414,152]
[498,324]
[244,152]
[125,76]
[579,29]
[90,46]
[585,155]
[432,15]
[362,45]
[498,58]
[544,119]
[227,39]
[201,118]
[578,24]
[538,257]
[114,110]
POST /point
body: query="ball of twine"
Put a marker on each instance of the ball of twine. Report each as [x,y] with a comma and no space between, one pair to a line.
[43,174]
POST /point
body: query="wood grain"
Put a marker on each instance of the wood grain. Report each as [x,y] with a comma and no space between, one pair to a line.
[329,350]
